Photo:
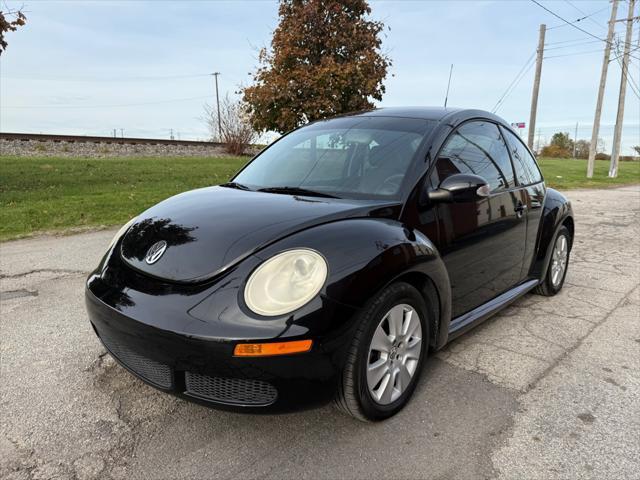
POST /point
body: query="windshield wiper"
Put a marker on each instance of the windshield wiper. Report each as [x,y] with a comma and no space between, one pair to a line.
[237,185]
[296,191]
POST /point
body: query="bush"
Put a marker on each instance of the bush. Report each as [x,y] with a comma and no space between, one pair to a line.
[603,156]
[562,140]
[555,151]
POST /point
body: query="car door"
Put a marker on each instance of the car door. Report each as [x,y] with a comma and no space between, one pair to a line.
[532,188]
[482,242]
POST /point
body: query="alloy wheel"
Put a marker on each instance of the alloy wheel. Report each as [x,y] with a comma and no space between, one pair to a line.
[559,260]
[394,354]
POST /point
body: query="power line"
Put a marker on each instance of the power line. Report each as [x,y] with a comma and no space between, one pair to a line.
[572,43]
[579,19]
[514,82]
[618,43]
[586,42]
[588,16]
[630,80]
[632,84]
[573,54]
[632,50]
[566,41]
[579,41]
[571,24]
[112,105]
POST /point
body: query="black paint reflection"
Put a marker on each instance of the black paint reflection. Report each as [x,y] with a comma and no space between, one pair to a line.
[118,298]
[147,232]
[106,288]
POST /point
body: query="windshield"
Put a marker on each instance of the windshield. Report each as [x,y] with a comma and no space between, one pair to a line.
[353,157]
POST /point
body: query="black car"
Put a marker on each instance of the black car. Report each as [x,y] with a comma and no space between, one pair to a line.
[332,263]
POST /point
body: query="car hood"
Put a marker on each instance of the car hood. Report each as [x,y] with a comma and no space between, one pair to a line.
[209,230]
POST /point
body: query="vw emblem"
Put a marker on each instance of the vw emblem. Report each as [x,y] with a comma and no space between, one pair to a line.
[155,252]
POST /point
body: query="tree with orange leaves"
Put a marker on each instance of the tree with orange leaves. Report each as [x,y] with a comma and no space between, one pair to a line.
[325,59]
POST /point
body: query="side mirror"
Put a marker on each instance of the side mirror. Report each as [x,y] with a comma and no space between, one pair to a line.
[460,187]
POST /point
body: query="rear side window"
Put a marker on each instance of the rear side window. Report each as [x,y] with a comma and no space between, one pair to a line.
[477,148]
[527,170]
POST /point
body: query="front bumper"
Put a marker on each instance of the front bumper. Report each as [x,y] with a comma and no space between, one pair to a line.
[148,336]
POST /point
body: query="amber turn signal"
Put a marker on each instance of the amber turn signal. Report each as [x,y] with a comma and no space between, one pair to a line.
[270,349]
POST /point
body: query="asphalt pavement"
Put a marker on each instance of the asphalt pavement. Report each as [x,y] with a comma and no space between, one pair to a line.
[549,388]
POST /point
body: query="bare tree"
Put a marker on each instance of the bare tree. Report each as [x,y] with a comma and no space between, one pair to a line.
[235,129]
[582,148]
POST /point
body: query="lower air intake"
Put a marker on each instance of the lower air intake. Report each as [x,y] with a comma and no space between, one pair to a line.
[150,370]
[233,391]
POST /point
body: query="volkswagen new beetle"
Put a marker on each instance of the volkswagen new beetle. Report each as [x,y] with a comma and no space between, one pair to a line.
[332,263]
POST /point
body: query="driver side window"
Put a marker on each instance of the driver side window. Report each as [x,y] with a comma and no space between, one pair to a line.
[477,148]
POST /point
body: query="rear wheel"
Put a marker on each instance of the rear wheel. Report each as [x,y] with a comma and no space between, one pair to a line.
[386,355]
[558,264]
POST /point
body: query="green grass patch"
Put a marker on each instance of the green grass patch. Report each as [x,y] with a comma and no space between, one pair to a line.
[566,173]
[48,194]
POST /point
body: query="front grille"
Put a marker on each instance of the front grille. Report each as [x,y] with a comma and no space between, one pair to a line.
[152,371]
[234,391]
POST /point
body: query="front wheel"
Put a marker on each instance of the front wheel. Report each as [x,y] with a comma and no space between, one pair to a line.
[386,355]
[558,264]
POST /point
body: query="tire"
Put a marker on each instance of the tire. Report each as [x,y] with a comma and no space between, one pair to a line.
[354,396]
[548,287]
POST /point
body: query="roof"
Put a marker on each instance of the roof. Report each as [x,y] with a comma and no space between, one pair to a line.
[427,113]
[431,113]
[452,116]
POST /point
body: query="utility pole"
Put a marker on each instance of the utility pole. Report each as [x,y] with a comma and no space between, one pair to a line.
[215,74]
[593,147]
[122,133]
[617,133]
[575,141]
[538,143]
[536,87]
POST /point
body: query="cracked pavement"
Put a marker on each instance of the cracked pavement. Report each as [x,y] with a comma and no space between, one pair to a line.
[549,388]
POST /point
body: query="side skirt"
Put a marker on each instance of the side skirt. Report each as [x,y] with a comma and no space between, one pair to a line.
[479,314]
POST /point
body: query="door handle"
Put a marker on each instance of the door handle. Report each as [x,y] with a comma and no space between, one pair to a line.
[520,209]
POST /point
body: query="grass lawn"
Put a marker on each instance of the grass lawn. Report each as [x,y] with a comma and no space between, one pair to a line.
[46,194]
[564,174]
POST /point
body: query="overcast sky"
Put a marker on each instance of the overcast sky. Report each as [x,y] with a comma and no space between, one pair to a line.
[82,67]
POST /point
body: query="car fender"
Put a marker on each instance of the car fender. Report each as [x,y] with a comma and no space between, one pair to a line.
[364,255]
[556,210]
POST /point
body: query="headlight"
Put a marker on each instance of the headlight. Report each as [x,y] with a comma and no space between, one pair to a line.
[121,232]
[285,282]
